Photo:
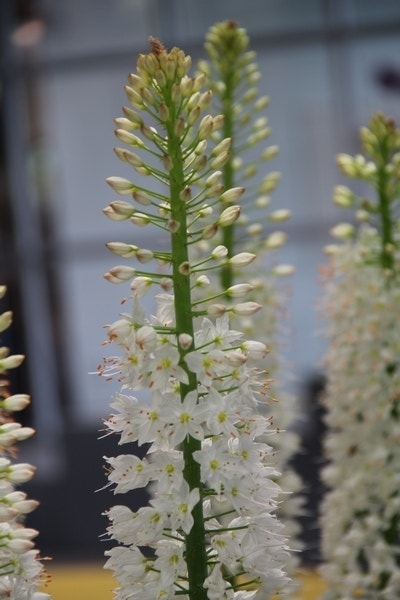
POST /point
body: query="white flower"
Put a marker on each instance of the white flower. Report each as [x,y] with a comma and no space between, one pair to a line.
[128,472]
[184,418]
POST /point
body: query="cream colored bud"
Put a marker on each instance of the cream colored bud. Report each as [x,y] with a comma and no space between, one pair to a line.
[129,157]
[133,116]
[362,215]
[242,259]
[142,197]
[342,231]
[205,127]
[143,255]
[270,152]
[213,179]
[275,240]
[120,185]
[140,219]
[185,341]
[134,98]
[121,249]
[220,160]
[263,201]
[347,165]
[223,147]
[120,274]
[216,310]
[201,147]
[209,231]
[205,211]
[202,281]
[5,320]
[124,123]
[232,195]
[270,182]
[239,290]
[218,122]
[11,362]
[186,194]
[229,216]
[246,308]
[254,229]
[283,270]
[119,210]
[261,103]
[283,214]
[3,290]
[219,252]
[15,402]
[343,196]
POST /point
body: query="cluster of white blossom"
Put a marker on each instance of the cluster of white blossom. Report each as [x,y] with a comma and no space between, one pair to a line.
[236,468]
[21,572]
[233,76]
[361,511]
[210,528]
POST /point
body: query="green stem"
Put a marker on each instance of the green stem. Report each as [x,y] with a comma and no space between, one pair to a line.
[385,207]
[196,558]
[228,233]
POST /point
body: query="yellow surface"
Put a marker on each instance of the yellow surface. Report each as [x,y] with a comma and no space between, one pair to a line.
[92,582]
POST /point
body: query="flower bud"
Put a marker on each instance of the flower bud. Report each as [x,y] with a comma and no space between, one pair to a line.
[219,252]
[141,285]
[343,196]
[142,197]
[119,274]
[3,290]
[5,320]
[15,402]
[216,310]
[282,214]
[275,240]
[232,195]
[223,146]
[185,341]
[202,281]
[121,249]
[283,270]
[11,362]
[242,259]
[239,290]
[119,210]
[120,185]
[129,138]
[229,216]
[246,308]
[342,231]
[270,182]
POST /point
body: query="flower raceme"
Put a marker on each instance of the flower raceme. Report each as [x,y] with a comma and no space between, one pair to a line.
[199,381]
[21,571]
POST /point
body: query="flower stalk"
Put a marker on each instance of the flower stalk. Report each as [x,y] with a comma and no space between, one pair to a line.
[199,418]
[21,570]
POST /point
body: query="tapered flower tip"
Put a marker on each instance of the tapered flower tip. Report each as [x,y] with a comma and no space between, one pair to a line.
[5,320]
[3,290]
[120,185]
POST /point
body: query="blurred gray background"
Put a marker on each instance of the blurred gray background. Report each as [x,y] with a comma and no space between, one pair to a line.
[327,66]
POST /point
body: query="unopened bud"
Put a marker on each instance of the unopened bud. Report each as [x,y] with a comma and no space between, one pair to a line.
[232,195]
[342,231]
[246,308]
[229,216]
[119,274]
[242,259]
[283,270]
[120,185]
[282,214]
